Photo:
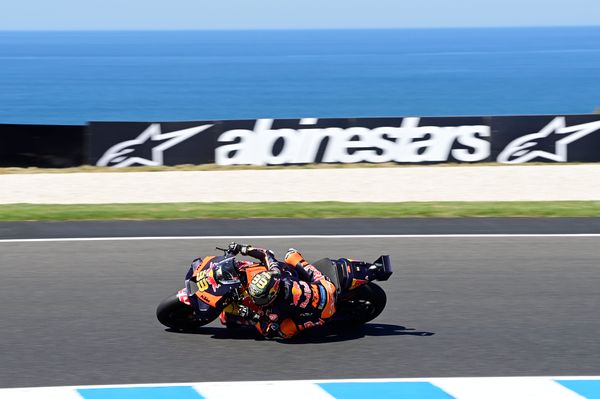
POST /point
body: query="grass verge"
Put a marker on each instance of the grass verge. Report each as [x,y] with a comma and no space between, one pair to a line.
[215,167]
[234,210]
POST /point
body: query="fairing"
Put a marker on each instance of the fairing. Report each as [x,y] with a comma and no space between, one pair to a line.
[203,284]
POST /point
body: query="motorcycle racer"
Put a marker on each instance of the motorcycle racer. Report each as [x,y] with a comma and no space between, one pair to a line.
[293,296]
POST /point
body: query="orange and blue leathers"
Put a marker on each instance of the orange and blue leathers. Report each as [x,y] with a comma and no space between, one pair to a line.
[305,300]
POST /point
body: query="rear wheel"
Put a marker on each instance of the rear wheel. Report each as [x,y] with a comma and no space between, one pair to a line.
[366,303]
[175,314]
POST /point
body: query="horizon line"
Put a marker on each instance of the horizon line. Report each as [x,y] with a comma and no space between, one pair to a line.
[25,30]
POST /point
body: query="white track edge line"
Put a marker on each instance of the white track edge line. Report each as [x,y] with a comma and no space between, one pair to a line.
[315,381]
[270,237]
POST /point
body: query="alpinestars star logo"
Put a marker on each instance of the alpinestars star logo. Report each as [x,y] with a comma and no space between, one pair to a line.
[130,152]
[526,148]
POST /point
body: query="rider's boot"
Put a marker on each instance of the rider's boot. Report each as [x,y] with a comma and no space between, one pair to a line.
[295,258]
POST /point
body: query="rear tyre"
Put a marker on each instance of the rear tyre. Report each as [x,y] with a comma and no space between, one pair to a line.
[366,303]
[173,313]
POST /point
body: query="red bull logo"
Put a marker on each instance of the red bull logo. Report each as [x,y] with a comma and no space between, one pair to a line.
[357,283]
[212,281]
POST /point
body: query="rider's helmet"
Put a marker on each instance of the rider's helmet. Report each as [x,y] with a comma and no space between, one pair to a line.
[264,287]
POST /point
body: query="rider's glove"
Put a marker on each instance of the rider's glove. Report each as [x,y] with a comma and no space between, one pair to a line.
[234,248]
[247,313]
[244,311]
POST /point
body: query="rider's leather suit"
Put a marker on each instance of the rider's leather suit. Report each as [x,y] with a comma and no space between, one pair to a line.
[306,297]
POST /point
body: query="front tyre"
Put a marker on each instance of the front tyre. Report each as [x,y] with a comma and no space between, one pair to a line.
[173,313]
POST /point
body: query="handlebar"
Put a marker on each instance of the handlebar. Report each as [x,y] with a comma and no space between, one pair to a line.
[225,250]
[234,248]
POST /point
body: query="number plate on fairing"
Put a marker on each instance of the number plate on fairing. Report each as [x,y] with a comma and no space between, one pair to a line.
[205,286]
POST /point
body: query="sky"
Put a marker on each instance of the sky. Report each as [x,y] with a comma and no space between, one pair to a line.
[289,14]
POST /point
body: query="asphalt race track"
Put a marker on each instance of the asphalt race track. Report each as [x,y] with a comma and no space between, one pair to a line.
[80,313]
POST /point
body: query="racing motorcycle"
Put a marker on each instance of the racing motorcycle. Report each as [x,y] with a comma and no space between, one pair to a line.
[216,284]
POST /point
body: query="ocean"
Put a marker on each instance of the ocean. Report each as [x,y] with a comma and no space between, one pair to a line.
[74,77]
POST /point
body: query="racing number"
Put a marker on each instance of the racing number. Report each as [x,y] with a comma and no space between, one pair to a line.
[259,285]
[262,282]
[202,284]
[201,281]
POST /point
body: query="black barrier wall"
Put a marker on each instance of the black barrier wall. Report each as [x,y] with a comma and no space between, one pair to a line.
[291,141]
[409,140]
[520,139]
[44,146]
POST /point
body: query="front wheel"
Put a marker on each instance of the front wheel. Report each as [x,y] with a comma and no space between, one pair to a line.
[364,305]
[175,314]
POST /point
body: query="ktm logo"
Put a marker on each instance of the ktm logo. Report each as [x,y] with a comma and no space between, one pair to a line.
[526,148]
[131,152]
